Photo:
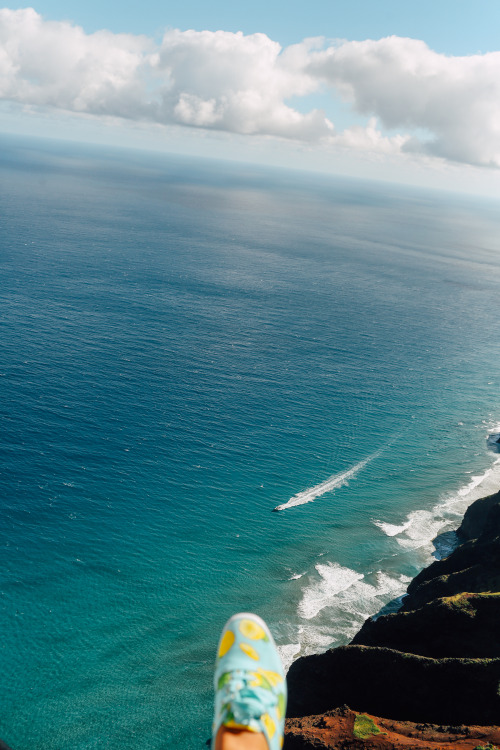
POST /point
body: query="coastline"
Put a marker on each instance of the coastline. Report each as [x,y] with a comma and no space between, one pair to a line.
[334,600]
[435,661]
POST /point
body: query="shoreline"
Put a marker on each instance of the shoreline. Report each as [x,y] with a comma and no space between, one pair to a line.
[437,659]
[330,589]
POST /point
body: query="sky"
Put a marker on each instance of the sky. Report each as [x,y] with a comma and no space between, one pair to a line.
[405,92]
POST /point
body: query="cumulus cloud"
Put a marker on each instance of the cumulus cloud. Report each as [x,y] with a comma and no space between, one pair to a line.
[203,79]
[245,84]
[57,64]
[237,83]
[407,85]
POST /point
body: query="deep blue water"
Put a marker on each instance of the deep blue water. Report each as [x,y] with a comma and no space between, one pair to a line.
[186,345]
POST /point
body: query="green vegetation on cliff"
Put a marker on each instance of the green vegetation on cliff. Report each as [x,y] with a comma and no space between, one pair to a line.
[365,727]
[437,660]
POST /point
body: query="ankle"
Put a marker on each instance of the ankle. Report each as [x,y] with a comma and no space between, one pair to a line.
[239,739]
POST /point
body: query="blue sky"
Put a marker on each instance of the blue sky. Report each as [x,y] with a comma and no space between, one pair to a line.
[425,111]
[455,27]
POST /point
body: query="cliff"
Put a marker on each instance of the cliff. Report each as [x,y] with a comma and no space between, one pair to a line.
[343,728]
[436,661]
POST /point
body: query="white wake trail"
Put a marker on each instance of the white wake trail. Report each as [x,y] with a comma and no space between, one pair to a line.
[337,480]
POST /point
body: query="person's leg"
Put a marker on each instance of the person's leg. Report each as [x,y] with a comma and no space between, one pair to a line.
[238,739]
[250,688]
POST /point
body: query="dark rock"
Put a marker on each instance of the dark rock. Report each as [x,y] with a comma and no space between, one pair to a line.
[406,687]
[477,578]
[437,660]
[477,562]
[481,517]
[465,625]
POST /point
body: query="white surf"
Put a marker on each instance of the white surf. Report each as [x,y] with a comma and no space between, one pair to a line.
[421,527]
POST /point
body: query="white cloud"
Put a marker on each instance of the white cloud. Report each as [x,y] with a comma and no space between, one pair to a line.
[245,84]
[407,85]
[204,79]
[369,138]
[237,83]
[57,64]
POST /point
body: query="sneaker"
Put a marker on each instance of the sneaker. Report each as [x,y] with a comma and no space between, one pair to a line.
[249,681]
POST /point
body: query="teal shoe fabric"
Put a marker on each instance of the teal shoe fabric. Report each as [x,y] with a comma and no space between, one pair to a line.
[249,681]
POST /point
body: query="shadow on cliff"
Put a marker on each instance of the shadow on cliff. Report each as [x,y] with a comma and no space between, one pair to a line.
[437,659]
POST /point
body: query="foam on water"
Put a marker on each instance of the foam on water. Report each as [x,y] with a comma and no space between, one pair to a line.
[335,600]
[333,579]
[332,483]
[422,526]
[334,604]
[312,638]
[288,652]
[391,529]
[349,593]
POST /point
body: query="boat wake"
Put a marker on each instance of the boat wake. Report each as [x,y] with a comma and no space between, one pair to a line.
[333,600]
[332,483]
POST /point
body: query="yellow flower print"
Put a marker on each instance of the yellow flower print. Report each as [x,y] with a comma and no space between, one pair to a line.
[260,681]
[226,643]
[273,677]
[270,725]
[253,630]
[249,651]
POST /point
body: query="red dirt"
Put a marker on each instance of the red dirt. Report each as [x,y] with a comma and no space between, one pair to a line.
[334,731]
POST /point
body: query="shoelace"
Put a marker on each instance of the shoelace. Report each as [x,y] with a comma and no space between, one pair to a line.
[247,703]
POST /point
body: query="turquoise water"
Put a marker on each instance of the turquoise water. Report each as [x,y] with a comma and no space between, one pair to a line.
[185,346]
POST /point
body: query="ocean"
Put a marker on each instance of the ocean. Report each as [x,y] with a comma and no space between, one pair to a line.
[187,345]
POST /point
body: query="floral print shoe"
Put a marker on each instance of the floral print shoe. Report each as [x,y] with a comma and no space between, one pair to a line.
[250,687]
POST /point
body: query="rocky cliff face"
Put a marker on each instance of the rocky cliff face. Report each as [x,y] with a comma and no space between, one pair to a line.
[472,567]
[436,660]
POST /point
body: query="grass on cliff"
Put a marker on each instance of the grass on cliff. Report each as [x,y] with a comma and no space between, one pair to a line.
[466,600]
[365,727]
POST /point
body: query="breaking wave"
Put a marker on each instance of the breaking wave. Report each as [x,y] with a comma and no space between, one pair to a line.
[421,527]
[334,600]
[334,604]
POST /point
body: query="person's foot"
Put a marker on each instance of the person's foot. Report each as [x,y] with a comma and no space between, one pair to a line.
[250,688]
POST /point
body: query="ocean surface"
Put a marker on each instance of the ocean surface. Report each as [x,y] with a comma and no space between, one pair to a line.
[185,346]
